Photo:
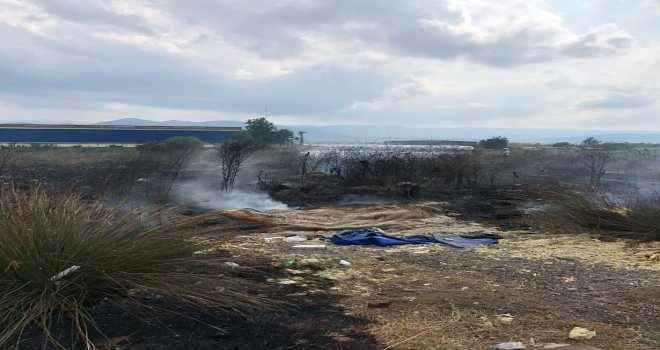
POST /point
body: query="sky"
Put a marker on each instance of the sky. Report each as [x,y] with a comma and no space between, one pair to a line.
[556,64]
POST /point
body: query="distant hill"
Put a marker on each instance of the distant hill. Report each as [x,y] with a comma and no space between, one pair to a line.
[378,133]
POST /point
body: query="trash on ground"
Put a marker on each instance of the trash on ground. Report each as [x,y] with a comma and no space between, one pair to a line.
[201,252]
[310,261]
[504,318]
[508,346]
[294,272]
[579,333]
[287,263]
[286,281]
[376,236]
[295,239]
[344,263]
[64,273]
[231,264]
[570,347]
[309,246]
[379,304]
[272,239]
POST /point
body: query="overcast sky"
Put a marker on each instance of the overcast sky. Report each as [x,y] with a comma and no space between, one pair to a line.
[560,64]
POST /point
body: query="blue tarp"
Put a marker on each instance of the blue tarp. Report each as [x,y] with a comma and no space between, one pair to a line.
[376,236]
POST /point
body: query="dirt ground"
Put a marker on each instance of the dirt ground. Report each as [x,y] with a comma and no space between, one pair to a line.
[530,288]
[438,297]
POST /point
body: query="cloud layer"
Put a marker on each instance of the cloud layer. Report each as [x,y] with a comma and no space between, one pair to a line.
[431,62]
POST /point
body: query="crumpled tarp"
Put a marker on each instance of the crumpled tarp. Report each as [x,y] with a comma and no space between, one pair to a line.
[376,236]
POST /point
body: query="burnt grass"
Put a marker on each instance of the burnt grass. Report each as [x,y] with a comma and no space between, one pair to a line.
[600,294]
[303,322]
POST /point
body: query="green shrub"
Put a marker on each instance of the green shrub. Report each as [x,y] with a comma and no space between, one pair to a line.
[59,256]
[497,142]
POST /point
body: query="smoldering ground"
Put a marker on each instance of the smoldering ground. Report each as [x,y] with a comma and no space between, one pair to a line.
[202,188]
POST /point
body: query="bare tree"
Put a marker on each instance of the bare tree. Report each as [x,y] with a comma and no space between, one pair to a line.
[231,154]
[593,162]
[169,158]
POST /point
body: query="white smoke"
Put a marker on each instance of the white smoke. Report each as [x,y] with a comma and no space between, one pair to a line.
[206,196]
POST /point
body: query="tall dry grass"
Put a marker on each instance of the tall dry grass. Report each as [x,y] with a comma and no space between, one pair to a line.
[601,213]
[60,256]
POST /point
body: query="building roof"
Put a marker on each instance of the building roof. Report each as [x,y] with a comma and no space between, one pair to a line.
[119,127]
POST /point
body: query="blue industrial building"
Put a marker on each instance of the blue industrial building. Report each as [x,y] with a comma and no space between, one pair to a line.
[41,134]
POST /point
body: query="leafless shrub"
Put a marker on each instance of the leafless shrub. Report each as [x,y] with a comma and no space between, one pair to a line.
[388,167]
[600,213]
[231,154]
[593,162]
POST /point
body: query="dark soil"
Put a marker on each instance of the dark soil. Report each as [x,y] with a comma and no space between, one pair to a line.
[305,322]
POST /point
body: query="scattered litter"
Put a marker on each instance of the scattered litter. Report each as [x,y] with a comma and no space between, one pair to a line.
[287,263]
[286,282]
[508,346]
[465,241]
[569,279]
[504,318]
[310,261]
[232,264]
[272,239]
[64,273]
[570,347]
[309,246]
[344,263]
[379,304]
[427,284]
[376,236]
[295,239]
[465,288]
[294,272]
[579,333]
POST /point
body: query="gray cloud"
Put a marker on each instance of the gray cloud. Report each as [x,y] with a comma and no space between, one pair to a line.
[90,12]
[600,41]
[112,72]
[298,57]
[617,101]
[429,29]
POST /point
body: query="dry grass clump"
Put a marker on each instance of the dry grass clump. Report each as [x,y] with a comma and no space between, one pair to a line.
[599,213]
[60,256]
